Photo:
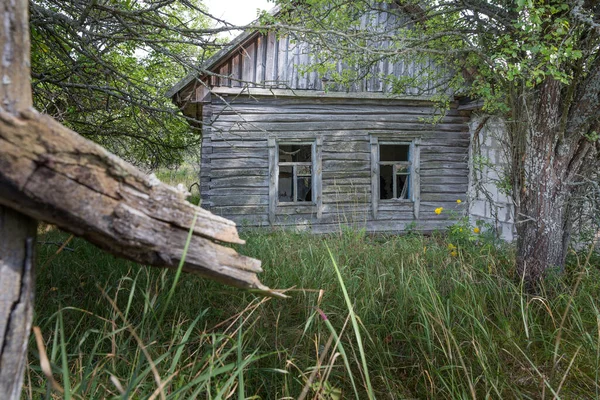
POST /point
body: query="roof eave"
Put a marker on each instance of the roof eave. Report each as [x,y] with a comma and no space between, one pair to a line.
[217,58]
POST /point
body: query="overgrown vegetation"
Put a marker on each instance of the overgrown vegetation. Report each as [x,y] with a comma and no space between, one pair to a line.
[440,317]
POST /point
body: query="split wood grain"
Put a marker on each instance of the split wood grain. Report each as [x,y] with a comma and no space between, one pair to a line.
[50,173]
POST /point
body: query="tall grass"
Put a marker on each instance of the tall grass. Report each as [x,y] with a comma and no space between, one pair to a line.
[406,317]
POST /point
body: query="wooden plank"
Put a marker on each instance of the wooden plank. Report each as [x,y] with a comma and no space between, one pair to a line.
[239,181]
[348,181]
[244,143]
[299,116]
[223,70]
[133,215]
[236,75]
[374,168]
[347,165]
[261,59]
[330,176]
[416,176]
[429,197]
[17,287]
[235,200]
[292,66]
[271,58]
[427,157]
[318,161]
[239,153]
[303,61]
[349,145]
[437,165]
[273,174]
[283,59]
[444,180]
[383,226]
[444,188]
[241,210]
[395,127]
[347,156]
[341,190]
[240,172]
[238,163]
[248,64]
[347,198]
[316,104]
[239,190]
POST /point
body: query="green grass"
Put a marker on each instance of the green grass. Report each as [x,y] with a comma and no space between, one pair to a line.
[403,319]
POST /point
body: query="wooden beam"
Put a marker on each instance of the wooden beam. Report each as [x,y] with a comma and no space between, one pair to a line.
[17,231]
[52,174]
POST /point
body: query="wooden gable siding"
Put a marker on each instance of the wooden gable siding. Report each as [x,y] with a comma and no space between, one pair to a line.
[235,166]
[275,61]
[281,62]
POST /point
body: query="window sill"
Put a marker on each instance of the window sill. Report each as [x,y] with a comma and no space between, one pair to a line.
[295,208]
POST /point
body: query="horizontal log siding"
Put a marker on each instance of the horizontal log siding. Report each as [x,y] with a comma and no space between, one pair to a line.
[235,147]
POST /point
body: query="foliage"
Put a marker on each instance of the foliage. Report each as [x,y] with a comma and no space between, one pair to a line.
[433,325]
[537,63]
[102,67]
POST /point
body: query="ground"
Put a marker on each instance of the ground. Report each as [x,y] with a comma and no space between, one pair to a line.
[440,317]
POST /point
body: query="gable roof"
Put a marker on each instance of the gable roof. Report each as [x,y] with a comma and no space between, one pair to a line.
[267,60]
[219,56]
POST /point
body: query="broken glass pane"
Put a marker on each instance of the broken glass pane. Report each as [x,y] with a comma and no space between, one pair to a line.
[295,152]
[393,152]
[304,189]
[402,186]
[386,182]
[304,170]
[402,169]
[286,183]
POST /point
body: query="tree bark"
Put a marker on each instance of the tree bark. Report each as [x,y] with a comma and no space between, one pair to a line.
[549,160]
[17,231]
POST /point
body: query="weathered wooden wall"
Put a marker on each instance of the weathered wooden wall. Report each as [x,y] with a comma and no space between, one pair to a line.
[281,61]
[235,166]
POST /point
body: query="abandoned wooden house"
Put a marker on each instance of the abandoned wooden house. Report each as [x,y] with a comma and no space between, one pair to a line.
[281,146]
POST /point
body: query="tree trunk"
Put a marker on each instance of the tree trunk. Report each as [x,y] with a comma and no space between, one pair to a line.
[17,231]
[542,172]
[17,241]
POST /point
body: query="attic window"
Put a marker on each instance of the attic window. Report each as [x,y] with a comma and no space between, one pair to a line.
[295,179]
[394,171]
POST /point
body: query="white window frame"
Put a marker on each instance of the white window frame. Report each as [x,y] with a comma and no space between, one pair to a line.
[414,175]
[316,203]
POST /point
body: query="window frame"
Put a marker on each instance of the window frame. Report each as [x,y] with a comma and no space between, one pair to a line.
[295,176]
[277,207]
[414,172]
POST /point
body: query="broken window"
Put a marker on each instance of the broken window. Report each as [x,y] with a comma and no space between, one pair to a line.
[295,172]
[394,171]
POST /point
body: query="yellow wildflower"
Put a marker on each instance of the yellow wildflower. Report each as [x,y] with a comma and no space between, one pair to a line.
[458,201]
[439,210]
[454,253]
[476,230]
[451,246]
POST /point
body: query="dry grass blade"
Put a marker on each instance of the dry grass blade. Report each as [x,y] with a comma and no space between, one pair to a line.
[313,374]
[44,361]
[60,249]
